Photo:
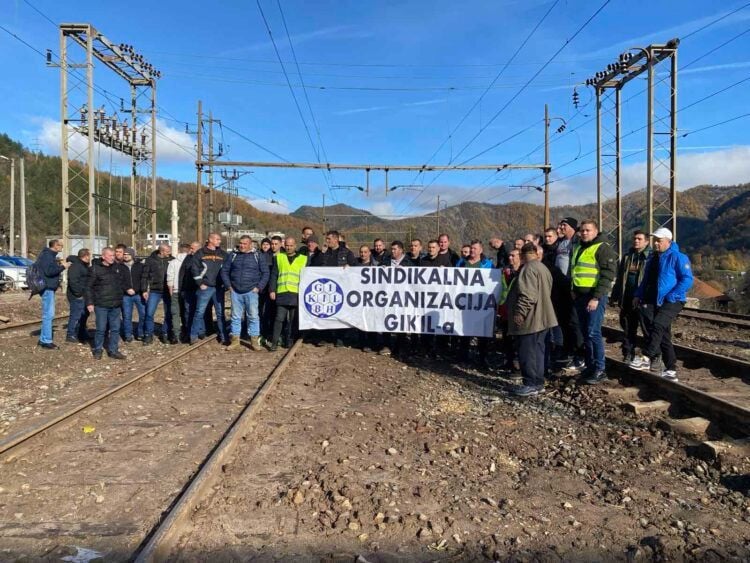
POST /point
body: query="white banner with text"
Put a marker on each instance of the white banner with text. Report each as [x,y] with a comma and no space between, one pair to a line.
[446,301]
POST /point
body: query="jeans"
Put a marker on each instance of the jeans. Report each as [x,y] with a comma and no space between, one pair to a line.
[531,353]
[178,314]
[154,298]
[657,326]
[245,304]
[77,319]
[107,316]
[288,314]
[129,302]
[48,314]
[202,298]
[591,328]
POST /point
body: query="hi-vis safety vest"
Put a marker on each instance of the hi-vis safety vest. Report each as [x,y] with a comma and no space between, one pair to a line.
[584,271]
[505,288]
[289,274]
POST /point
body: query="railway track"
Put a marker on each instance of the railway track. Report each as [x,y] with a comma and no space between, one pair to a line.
[703,386]
[716,317]
[24,324]
[138,452]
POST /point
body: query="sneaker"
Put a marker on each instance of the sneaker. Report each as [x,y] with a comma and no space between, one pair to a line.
[148,340]
[385,351]
[670,374]
[576,366]
[72,340]
[97,354]
[117,356]
[627,358]
[201,336]
[366,349]
[640,362]
[174,340]
[527,390]
[193,341]
[163,338]
[47,345]
[657,366]
[129,339]
[339,343]
[597,377]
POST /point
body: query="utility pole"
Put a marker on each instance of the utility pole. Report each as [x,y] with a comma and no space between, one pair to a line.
[211,226]
[12,244]
[325,227]
[199,180]
[24,245]
[546,162]
[437,215]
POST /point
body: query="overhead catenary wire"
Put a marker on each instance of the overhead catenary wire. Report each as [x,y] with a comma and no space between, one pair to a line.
[304,90]
[522,89]
[491,84]
[294,96]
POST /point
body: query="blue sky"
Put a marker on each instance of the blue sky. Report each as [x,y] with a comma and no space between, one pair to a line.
[388,81]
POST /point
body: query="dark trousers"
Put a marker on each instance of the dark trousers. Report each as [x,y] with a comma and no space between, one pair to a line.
[284,314]
[188,302]
[630,318]
[531,353]
[508,346]
[107,316]
[657,328]
[483,345]
[77,319]
[267,312]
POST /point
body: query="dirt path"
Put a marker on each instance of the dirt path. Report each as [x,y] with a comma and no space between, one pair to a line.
[357,455]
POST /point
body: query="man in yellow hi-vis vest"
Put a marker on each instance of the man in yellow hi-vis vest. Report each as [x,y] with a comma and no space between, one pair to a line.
[284,290]
[593,267]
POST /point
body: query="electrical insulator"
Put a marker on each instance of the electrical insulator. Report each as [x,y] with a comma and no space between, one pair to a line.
[143,139]
[135,135]
[576,99]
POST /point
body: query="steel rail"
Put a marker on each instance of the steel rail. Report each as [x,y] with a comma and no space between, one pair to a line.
[159,542]
[23,435]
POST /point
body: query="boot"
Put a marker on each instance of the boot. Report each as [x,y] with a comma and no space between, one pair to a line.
[234,343]
[255,344]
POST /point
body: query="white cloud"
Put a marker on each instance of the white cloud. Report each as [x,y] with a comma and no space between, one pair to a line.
[722,167]
[172,145]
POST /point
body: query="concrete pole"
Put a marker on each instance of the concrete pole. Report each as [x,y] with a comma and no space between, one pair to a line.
[24,244]
[12,244]
[199,179]
[91,162]
[546,162]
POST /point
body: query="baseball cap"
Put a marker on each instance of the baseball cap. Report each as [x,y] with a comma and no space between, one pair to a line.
[662,232]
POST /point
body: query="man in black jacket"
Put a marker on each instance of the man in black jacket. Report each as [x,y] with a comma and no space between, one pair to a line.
[154,291]
[188,287]
[107,283]
[134,273]
[206,271]
[51,270]
[336,255]
[78,277]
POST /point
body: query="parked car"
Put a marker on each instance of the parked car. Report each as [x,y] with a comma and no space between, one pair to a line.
[17,260]
[14,272]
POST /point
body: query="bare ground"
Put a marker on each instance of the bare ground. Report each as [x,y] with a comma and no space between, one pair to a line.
[357,455]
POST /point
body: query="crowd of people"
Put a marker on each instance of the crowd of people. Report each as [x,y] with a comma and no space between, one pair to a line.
[555,287]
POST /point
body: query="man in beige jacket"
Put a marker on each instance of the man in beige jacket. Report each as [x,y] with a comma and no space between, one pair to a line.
[531,317]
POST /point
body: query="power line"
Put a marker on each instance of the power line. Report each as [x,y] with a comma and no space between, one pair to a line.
[294,96]
[304,90]
[491,84]
[255,143]
[522,89]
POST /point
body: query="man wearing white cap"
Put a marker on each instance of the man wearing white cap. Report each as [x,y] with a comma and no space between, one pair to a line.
[661,296]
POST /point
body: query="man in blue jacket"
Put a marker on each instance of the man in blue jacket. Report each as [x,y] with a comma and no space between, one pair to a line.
[661,296]
[246,274]
[205,269]
[51,270]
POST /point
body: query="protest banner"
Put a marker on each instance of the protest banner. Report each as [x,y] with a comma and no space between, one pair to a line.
[450,301]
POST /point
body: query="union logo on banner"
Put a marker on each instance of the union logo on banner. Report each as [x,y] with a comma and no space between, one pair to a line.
[323,298]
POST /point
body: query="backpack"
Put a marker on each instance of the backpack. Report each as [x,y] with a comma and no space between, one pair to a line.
[35,280]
